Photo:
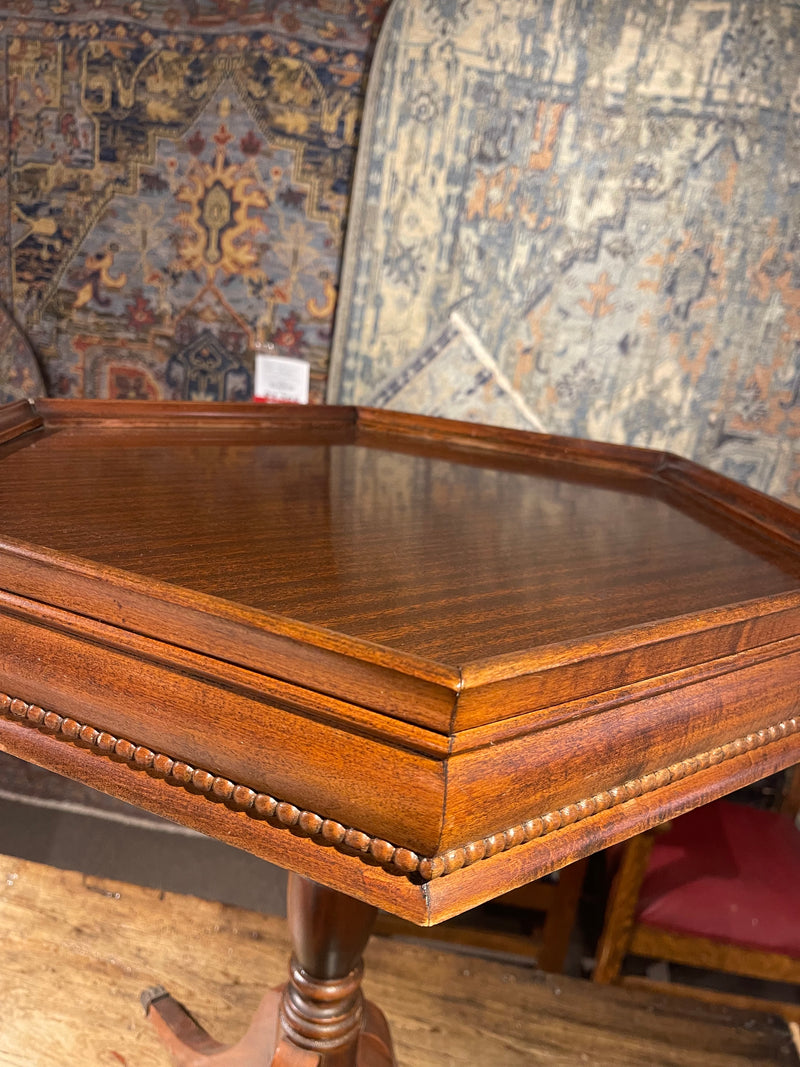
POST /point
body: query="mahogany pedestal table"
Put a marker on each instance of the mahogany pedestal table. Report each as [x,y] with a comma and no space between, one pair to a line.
[418,663]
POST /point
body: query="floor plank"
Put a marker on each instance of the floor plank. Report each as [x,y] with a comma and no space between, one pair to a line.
[76,951]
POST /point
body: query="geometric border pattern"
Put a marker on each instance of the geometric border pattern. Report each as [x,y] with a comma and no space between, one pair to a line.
[282,814]
[604,196]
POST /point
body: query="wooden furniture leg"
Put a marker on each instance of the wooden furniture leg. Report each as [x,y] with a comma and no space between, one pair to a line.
[560,918]
[318,1019]
[620,911]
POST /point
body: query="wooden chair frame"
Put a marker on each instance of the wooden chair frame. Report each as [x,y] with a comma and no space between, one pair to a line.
[557,899]
[623,936]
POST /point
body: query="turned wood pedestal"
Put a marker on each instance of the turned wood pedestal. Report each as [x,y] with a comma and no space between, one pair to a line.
[318,1019]
[419,662]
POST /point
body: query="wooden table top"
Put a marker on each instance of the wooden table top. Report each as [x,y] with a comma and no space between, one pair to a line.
[419,660]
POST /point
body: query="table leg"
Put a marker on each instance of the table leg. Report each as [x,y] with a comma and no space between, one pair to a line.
[318,1019]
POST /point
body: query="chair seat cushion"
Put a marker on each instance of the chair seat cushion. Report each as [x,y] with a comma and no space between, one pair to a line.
[730,873]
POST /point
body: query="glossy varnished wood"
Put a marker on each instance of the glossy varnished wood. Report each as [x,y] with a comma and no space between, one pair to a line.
[318,1019]
[413,552]
[334,636]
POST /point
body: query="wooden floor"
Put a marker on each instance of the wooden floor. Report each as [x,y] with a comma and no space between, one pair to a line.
[75,953]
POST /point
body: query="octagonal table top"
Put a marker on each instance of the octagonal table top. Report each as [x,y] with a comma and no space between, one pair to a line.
[420,660]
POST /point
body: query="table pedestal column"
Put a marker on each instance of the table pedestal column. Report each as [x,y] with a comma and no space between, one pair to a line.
[318,1019]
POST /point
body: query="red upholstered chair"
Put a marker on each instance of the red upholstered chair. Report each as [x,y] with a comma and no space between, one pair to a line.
[720,890]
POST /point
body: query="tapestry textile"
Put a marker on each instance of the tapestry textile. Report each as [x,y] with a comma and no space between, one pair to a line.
[584,217]
[174,188]
[20,376]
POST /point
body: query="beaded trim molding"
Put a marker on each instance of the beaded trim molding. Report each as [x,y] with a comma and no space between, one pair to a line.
[285,815]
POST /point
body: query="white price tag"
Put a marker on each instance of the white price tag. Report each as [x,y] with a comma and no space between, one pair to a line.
[281,379]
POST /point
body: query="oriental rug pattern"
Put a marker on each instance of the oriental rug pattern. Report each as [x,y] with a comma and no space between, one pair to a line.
[176,185]
[583,217]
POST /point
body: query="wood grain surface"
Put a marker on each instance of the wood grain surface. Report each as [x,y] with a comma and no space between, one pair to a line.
[75,953]
[470,555]
[446,560]
[421,661]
